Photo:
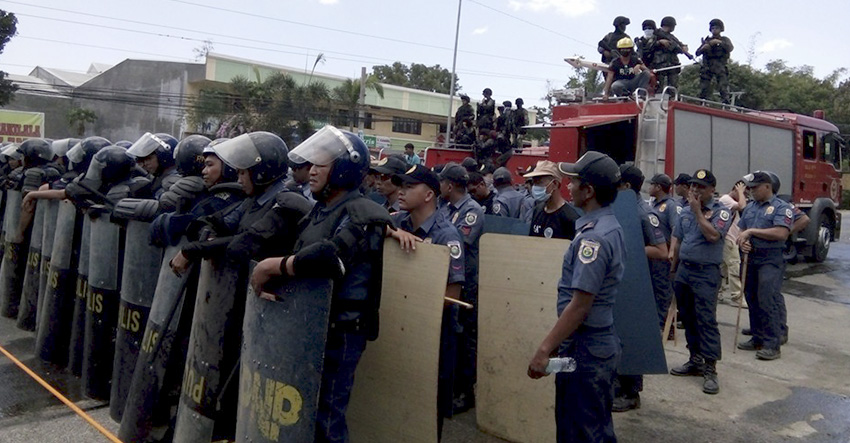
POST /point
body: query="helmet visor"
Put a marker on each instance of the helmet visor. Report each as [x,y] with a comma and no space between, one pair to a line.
[12,152]
[146,145]
[322,148]
[61,147]
[239,152]
[76,154]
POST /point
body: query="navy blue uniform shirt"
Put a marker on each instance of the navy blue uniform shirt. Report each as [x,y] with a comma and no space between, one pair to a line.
[666,208]
[695,248]
[764,215]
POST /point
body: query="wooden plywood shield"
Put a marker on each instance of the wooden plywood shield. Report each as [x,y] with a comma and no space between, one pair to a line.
[517,308]
[394,397]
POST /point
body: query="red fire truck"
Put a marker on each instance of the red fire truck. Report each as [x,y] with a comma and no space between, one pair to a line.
[685,134]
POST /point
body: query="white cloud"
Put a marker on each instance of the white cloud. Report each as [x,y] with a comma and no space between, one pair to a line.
[328,2]
[569,8]
[775,45]
[479,31]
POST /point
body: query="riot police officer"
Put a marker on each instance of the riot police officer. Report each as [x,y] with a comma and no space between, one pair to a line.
[696,254]
[341,239]
[189,188]
[593,268]
[765,225]
[155,154]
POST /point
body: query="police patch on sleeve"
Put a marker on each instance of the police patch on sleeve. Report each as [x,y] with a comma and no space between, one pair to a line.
[678,209]
[497,207]
[588,250]
[662,207]
[454,249]
[789,213]
[653,220]
[471,218]
[769,210]
[724,215]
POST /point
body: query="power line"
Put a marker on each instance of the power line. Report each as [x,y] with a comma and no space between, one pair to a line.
[100,47]
[528,23]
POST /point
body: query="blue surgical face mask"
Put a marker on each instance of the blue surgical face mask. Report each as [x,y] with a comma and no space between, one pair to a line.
[539,194]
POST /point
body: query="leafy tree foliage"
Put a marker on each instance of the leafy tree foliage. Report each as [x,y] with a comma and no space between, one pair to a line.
[417,76]
[78,118]
[347,95]
[8,29]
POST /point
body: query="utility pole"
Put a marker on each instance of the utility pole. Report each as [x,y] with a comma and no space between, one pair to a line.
[454,66]
[361,103]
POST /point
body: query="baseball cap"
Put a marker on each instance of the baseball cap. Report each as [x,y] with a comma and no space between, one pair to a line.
[502,175]
[682,179]
[455,173]
[757,178]
[469,164]
[544,168]
[418,174]
[705,177]
[661,179]
[390,166]
[593,167]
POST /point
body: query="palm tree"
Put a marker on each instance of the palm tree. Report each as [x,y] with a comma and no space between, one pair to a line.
[348,95]
[77,119]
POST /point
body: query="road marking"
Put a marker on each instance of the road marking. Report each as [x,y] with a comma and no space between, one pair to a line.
[61,397]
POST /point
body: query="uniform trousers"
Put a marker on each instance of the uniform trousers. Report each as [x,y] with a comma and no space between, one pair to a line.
[342,353]
[696,293]
[762,289]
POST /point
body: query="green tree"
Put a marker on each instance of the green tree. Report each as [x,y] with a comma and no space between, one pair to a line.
[78,118]
[347,95]
[417,76]
[8,29]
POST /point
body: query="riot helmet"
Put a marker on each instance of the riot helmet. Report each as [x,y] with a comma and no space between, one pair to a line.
[126,144]
[81,154]
[189,155]
[10,152]
[61,147]
[36,152]
[161,144]
[228,174]
[263,154]
[347,154]
[110,165]
[668,21]
[717,22]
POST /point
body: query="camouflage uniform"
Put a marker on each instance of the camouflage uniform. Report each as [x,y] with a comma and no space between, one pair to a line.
[714,65]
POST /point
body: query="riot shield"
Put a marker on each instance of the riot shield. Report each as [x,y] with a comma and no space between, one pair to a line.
[54,329]
[27,311]
[3,199]
[158,349]
[12,268]
[51,213]
[279,380]
[141,266]
[205,406]
[102,300]
[81,289]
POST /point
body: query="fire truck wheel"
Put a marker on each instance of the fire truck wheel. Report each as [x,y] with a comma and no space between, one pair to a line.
[822,241]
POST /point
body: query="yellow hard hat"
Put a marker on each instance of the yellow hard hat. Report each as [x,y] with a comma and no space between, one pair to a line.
[625,43]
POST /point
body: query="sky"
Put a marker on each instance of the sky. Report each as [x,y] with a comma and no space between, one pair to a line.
[514,47]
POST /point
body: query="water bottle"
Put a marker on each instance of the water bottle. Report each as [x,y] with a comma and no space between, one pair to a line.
[561,364]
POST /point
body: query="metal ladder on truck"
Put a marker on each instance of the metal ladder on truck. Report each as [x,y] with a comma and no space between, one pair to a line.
[651,152]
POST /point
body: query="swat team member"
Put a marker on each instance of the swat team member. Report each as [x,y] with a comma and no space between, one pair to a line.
[468,217]
[154,153]
[696,254]
[420,220]
[481,193]
[608,45]
[486,112]
[504,118]
[765,225]
[387,168]
[627,388]
[646,44]
[509,201]
[464,111]
[341,238]
[626,73]
[715,50]
[592,271]
[552,216]
[520,120]
[666,53]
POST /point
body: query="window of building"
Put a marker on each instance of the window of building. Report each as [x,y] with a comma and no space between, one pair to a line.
[407,125]
[443,128]
[368,121]
[809,145]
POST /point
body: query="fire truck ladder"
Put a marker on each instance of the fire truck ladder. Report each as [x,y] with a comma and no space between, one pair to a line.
[652,132]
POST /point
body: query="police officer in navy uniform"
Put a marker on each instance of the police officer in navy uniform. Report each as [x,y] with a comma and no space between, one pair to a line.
[592,271]
[765,225]
[341,238]
[627,388]
[386,169]
[481,193]
[696,253]
[663,204]
[421,221]
[681,186]
[510,202]
[468,217]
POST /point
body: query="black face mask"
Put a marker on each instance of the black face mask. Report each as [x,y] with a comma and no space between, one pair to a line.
[626,52]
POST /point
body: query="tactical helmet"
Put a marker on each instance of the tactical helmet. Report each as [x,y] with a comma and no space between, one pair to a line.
[717,22]
[228,174]
[81,154]
[648,24]
[620,20]
[61,147]
[161,144]
[507,104]
[668,21]
[344,150]
[110,165]
[464,97]
[487,91]
[625,43]
[263,154]
[36,151]
[126,144]
[189,155]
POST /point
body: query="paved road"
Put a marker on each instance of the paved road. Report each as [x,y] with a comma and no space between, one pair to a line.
[804,396]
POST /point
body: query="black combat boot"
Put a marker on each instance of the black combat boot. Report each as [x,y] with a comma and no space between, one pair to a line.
[709,382]
[694,366]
